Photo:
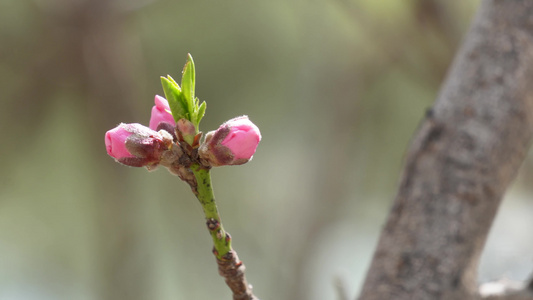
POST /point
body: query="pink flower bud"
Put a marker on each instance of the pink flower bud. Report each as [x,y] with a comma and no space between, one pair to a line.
[233,143]
[136,145]
[243,137]
[115,142]
[161,114]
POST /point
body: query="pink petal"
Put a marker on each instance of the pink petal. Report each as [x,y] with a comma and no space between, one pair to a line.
[115,142]
[243,137]
[161,113]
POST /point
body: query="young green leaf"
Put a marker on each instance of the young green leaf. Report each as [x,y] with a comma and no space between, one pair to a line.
[174,97]
[183,104]
[187,83]
[201,112]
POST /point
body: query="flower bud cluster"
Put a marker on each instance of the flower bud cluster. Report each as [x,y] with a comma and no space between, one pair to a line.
[176,145]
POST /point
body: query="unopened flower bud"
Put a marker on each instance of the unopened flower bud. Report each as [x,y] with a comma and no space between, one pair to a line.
[136,145]
[233,143]
[115,142]
[161,117]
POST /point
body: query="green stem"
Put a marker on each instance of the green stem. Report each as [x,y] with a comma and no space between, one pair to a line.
[221,239]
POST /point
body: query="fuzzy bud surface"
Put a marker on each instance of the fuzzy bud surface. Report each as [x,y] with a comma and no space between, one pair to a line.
[136,145]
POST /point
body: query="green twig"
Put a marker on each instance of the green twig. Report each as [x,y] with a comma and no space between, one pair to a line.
[229,265]
[221,239]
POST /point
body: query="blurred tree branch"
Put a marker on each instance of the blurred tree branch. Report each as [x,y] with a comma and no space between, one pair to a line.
[466,152]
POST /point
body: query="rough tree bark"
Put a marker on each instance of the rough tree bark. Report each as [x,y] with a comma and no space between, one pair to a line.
[464,155]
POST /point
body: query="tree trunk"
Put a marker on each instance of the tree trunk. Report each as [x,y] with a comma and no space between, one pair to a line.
[464,155]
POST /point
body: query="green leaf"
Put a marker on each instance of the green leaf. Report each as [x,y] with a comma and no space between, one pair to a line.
[183,104]
[174,82]
[201,113]
[174,97]
[187,83]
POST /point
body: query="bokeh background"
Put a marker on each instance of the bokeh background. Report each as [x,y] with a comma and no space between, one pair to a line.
[337,88]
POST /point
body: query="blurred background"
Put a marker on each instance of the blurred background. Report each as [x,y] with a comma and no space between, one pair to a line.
[337,88]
